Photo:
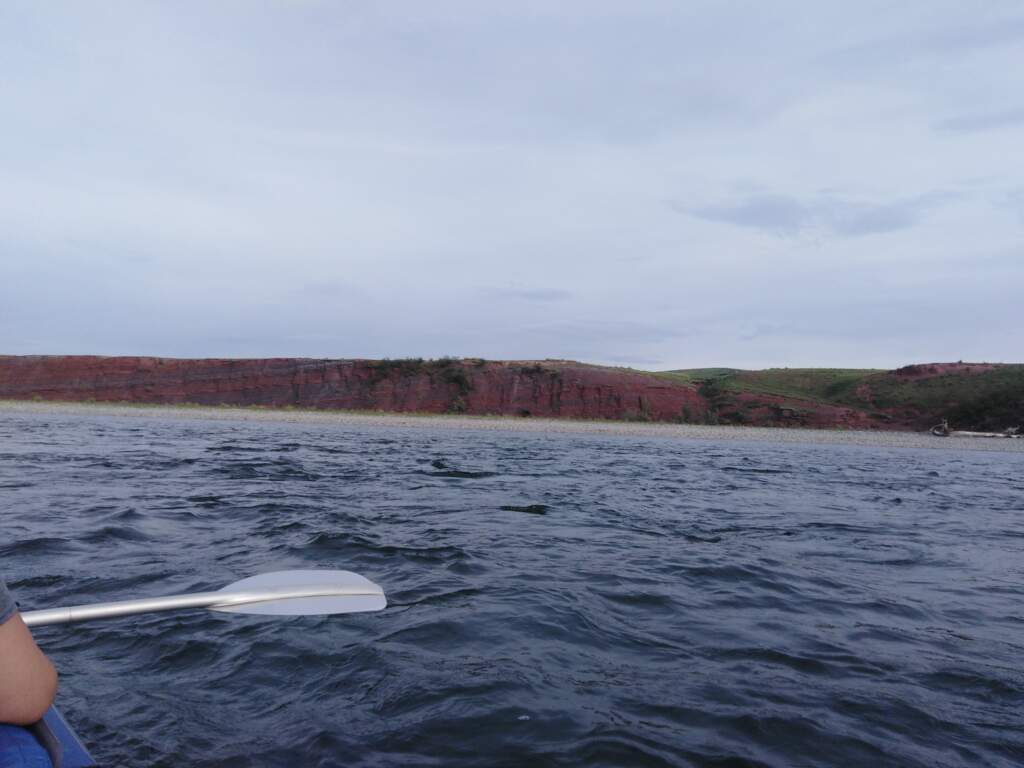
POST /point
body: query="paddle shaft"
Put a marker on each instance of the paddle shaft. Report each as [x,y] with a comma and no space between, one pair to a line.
[212,600]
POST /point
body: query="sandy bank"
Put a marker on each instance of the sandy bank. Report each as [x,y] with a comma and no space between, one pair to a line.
[513,424]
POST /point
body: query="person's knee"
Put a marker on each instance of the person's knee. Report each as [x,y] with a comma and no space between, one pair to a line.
[45,693]
[28,680]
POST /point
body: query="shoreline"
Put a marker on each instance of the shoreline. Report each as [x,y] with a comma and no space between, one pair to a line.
[883,439]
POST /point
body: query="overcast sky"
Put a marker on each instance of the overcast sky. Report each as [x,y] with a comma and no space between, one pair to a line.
[652,184]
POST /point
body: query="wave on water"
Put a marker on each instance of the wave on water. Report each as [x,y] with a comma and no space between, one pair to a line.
[554,600]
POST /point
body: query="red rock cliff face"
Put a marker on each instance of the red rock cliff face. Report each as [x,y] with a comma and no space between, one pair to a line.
[557,389]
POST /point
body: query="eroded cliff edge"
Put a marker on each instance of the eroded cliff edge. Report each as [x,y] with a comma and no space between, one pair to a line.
[972,396]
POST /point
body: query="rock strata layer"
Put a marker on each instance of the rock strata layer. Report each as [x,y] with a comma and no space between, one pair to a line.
[549,388]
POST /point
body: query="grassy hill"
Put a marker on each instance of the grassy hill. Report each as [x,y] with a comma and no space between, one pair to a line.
[971,395]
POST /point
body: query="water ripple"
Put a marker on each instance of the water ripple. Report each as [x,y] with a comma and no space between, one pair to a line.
[554,600]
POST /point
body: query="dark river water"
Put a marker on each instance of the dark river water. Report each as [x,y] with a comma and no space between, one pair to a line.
[558,600]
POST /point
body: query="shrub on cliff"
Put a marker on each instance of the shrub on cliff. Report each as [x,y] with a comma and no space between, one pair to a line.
[408,366]
[536,369]
[711,389]
[458,377]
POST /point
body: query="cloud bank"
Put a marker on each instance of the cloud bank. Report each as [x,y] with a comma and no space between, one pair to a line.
[712,183]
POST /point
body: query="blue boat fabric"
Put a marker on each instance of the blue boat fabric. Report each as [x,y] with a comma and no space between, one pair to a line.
[54,731]
[19,748]
[50,743]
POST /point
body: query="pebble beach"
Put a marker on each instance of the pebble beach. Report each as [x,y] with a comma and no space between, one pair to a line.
[917,440]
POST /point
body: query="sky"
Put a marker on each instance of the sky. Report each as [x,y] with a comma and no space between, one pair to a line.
[649,184]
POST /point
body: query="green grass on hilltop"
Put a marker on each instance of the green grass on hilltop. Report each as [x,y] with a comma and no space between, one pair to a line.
[970,399]
[991,400]
[819,384]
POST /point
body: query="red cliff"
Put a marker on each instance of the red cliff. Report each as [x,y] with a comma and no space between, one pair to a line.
[550,388]
[971,395]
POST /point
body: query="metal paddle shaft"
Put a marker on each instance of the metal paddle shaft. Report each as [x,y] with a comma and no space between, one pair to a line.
[282,593]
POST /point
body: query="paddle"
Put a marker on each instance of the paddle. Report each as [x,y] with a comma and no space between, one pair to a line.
[282,593]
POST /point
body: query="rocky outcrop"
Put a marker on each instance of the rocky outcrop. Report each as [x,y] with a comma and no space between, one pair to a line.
[548,388]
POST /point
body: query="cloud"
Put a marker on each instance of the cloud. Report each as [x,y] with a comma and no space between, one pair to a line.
[1013,201]
[934,39]
[788,216]
[534,294]
[609,333]
[777,214]
[1006,31]
[851,220]
[330,289]
[762,330]
[437,178]
[984,121]
[631,360]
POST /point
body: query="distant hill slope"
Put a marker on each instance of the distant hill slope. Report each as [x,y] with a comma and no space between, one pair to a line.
[971,396]
[981,396]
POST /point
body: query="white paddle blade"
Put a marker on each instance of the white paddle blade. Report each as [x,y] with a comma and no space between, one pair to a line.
[302,593]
